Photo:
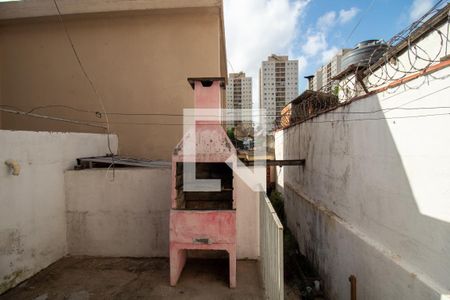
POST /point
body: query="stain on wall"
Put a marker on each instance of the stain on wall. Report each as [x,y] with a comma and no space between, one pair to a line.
[32,214]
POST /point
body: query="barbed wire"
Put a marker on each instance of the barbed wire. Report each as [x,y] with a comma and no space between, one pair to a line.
[400,57]
[388,67]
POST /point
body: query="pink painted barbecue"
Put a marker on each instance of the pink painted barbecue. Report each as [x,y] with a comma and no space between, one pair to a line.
[203,218]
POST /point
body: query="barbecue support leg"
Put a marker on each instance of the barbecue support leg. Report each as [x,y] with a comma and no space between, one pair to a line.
[232,259]
[177,261]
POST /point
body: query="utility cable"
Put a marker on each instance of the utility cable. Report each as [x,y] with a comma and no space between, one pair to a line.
[359,22]
[85,123]
[97,94]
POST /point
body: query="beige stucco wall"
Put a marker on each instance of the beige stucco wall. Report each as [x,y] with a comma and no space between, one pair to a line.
[138,62]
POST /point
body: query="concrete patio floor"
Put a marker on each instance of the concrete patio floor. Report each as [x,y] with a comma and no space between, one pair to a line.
[82,278]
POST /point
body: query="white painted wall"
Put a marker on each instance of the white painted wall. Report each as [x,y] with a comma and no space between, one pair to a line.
[127,215]
[32,205]
[271,261]
[46,214]
[373,197]
[247,220]
[425,52]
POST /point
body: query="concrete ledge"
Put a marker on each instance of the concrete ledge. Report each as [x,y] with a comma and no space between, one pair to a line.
[46,8]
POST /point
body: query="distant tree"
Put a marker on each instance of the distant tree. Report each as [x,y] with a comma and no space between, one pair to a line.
[230,133]
[336,91]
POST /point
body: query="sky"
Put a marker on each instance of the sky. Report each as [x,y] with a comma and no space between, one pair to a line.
[310,31]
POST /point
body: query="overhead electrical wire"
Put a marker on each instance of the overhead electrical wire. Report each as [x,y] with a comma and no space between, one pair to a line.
[53,118]
[359,21]
[91,83]
[404,64]
[98,114]
[314,101]
[257,115]
[104,125]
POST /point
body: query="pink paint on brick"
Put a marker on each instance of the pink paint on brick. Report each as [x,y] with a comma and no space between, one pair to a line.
[212,229]
[218,226]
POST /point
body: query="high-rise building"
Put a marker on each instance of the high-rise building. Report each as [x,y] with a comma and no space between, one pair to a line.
[278,85]
[322,79]
[238,94]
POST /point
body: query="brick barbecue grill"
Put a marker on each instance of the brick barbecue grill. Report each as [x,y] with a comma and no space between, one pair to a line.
[203,220]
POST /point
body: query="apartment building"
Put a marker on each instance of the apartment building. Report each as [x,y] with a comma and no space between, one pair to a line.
[321,80]
[278,83]
[238,94]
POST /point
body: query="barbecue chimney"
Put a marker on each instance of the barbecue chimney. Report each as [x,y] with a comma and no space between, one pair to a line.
[203,219]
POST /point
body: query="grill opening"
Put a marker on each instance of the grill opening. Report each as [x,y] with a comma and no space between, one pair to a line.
[220,200]
[208,263]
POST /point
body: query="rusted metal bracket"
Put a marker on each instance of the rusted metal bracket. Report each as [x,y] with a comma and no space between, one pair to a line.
[359,78]
[352,280]
[117,161]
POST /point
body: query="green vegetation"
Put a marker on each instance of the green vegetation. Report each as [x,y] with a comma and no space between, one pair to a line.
[230,133]
[11,280]
[336,91]
[278,204]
